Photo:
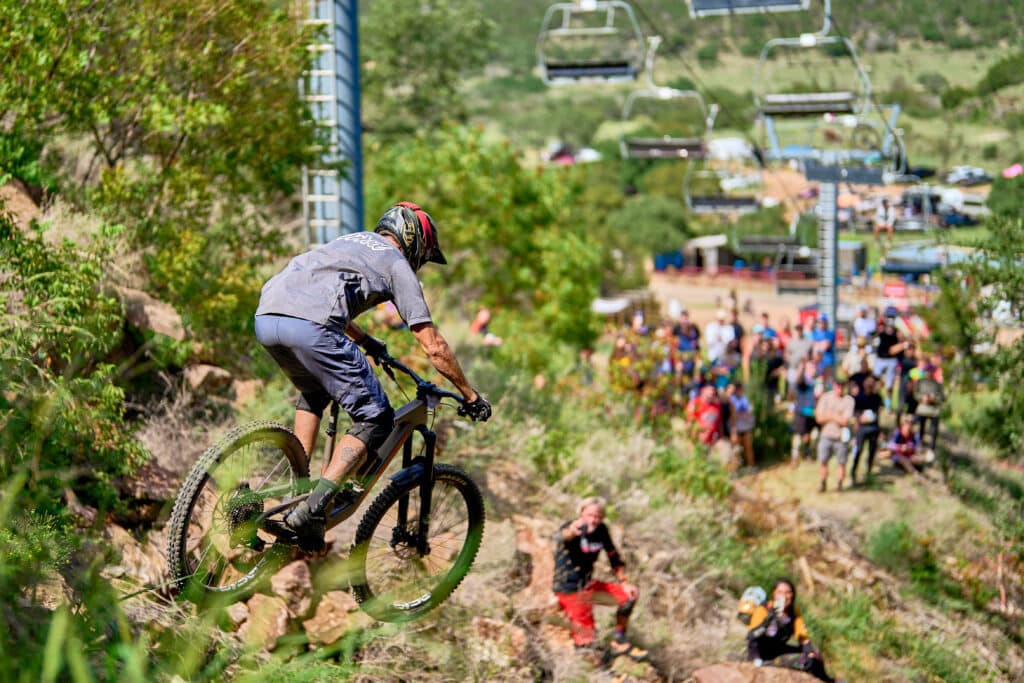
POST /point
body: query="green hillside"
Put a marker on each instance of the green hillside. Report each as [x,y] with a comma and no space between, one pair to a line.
[916,53]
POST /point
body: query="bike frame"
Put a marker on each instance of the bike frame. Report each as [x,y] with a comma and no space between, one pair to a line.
[411,417]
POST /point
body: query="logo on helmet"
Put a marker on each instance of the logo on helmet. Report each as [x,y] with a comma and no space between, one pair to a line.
[409,234]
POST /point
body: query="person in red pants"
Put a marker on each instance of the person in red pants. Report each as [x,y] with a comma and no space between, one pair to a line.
[578,544]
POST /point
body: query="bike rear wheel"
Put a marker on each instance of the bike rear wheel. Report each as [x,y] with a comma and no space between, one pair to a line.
[216,550]
[392,580]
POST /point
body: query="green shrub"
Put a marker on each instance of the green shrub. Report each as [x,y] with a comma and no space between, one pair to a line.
[62,412]
[707,54]
[690,473]
[954,96]
[1004,73]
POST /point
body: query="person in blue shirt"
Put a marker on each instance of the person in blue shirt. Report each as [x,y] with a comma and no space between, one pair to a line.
[824,341]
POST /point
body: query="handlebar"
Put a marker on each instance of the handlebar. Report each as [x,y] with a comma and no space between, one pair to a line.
[423,387]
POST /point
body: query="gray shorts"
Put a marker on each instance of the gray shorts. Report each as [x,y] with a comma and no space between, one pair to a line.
[828,447]
[323,364]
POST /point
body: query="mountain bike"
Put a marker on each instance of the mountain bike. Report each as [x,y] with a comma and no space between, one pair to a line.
[413,546]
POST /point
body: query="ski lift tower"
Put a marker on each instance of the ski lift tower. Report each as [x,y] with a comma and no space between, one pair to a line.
[332,202]
[830,174]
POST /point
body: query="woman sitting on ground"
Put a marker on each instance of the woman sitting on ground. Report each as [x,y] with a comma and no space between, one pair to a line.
[772,626]
[905,447]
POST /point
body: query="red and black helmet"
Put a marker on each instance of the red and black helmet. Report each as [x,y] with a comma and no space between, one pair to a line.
[415,231]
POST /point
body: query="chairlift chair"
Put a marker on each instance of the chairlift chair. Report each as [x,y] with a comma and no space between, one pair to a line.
[668,146]
[709,8]
[811,110]
[561,26]
[721,203]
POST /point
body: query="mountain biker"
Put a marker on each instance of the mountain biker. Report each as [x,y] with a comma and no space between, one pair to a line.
[305,321]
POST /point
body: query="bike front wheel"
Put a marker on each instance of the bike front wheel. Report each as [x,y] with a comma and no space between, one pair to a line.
[393,580]
[217,551]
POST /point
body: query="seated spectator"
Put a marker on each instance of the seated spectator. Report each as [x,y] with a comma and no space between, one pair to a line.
[705,414]
[905,448]
[741,423]
[578,544]
[867,405]
[771,628]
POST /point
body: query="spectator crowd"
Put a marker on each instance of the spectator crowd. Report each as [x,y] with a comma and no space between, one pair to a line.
[728,381]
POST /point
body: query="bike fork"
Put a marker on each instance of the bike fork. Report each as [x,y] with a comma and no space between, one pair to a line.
[426,489]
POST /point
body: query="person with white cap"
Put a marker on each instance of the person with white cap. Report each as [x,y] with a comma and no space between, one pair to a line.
[864,325]
[717,335]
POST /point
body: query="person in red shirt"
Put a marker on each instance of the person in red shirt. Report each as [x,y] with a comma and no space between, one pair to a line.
[705,413]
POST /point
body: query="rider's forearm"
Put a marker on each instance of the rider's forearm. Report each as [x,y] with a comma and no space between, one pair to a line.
[442,357]
[444,360]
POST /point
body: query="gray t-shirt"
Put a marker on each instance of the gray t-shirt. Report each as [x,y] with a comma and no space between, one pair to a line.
[797,350]
[334,283]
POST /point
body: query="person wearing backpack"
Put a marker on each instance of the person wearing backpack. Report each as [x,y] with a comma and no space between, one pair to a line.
[773,625]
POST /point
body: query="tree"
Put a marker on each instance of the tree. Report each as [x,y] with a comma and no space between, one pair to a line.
[979,299]
[415,56]
[517,238]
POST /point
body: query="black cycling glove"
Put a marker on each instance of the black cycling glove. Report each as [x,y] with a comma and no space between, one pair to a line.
[374,347]
[478,410]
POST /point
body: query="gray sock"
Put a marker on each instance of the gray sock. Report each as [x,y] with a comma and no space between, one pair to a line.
[317,501]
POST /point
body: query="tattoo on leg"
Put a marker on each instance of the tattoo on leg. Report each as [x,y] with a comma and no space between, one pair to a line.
[349,456]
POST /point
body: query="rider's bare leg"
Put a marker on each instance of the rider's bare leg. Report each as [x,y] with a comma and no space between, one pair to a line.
[306,426]
[349,452]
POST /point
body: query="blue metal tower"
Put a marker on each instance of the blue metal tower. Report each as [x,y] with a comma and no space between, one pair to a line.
[332,203]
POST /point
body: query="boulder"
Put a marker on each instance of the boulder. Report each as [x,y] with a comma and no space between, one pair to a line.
[238,613]
[142,563]
[333,618]
[293,583]
[268,621]
[147,313]
[207,379]
[16,199]
[745,672]
[151,483]
[84,516]
[244,390]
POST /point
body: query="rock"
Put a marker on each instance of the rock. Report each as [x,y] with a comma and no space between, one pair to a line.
[143,563]
[151,483]
[268,621]
[147,313]
[238,612]
[294,584]
[333,618]
[535,538]
[49,591]
[207,379]
[745,672]
[244,390]
[625,669]
[83,515]
[16,199]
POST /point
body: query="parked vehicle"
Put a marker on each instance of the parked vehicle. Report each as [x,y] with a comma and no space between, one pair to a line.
[967,176]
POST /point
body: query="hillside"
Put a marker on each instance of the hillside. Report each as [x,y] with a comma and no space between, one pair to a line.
[914,51]
[151,166]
